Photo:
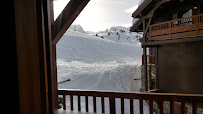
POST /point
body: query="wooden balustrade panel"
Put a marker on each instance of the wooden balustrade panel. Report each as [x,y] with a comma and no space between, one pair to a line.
[178,28]
[163,37]
[160,32]
[200,26]
[184,28]
[184,34]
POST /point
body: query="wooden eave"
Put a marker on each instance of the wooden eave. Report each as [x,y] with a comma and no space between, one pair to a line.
[139,23]
[149,12]
[136,13]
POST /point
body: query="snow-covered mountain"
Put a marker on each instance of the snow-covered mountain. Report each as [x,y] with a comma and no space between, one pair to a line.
[120,34]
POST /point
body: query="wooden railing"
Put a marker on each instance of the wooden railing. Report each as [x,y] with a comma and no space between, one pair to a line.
[112,95]
[150,59]
[177,28]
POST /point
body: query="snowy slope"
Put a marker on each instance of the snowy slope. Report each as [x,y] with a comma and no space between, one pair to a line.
[81,55]
[95,63]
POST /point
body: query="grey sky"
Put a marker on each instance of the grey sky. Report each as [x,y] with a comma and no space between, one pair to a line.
[99,15]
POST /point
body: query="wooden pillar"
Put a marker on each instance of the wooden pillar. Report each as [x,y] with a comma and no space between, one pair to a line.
[145,67]
[54,77]
[145,56]
[156,66]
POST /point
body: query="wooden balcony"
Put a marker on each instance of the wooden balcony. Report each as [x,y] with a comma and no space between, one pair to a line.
[180,28]
[113,96]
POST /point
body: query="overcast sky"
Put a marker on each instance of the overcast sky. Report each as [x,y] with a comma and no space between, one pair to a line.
[99,15]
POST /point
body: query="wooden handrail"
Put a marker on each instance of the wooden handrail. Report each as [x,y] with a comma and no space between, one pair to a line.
[112,95]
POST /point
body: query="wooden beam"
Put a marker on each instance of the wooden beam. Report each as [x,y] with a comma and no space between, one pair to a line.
[138,23]
[66,18]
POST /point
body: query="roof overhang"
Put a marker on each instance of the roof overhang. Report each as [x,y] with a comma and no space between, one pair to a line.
[145,11]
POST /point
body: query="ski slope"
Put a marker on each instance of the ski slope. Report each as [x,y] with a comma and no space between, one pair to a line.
[95,63]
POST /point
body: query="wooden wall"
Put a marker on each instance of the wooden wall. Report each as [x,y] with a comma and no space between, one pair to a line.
[180,67]
[29,36]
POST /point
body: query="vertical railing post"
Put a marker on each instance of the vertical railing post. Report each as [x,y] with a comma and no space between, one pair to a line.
[94,104]
[79,103]
[71,102]
[122,106]
[86,104]
[172,107]
[64,102]
[182,108]
[131,106]
[141,106]
[161,107]
[112,105]
[194,108]
[145,67]
[102,103]
[151,106]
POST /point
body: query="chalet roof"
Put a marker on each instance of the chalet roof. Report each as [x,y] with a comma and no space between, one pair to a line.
[142,5]
[144,11]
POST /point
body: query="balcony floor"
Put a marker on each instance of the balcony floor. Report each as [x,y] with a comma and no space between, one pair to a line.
[61,111]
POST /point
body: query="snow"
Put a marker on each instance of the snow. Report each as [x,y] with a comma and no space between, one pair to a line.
[95,63]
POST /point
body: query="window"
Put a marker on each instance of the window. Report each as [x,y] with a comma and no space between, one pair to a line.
[187,13]
[174,16]
[201,8]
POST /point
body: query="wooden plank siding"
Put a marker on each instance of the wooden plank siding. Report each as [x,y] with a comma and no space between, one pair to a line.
[180,67]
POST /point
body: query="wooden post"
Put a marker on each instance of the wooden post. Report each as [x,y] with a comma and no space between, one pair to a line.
[64,102]
[86,104]
[112,105]
[156,65]
[71,102]
[161,107]
[131,106]
[122,106]
[94,104]
[103,106]
[145,67]
[141,106]
[79,103]
[172,107]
